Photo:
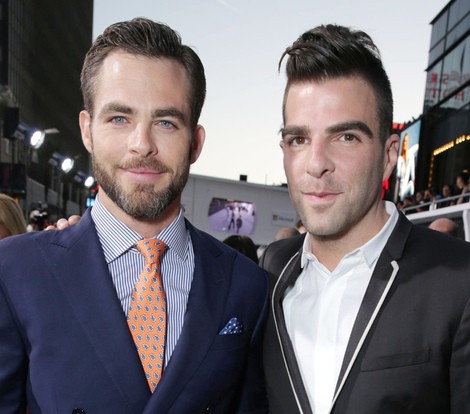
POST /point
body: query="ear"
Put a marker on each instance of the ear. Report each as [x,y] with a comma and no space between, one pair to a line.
[390,155]
[199,137]
[85,128]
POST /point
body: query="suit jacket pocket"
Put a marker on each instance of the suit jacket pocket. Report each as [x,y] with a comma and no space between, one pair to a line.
[396,360]
[232,341]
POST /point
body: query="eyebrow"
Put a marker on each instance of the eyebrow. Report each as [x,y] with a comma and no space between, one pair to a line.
[157,113]
[334,129]
[171,112]
[351,125]
[294,130]
[116,107]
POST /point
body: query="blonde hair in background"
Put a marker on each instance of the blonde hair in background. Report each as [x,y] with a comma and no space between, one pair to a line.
[11,215]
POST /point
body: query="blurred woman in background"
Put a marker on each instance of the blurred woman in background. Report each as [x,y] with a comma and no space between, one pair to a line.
[11,217]
[462,184]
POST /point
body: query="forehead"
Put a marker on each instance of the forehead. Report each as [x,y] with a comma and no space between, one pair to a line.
[125,75]
[333,100]
[132,60]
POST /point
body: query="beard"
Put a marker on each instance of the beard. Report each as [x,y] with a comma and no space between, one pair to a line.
[143,202]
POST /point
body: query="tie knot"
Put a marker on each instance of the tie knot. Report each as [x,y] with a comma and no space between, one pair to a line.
[152,248]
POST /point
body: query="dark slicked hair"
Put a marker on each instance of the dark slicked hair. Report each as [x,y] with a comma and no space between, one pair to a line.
[330,52]
[144,37]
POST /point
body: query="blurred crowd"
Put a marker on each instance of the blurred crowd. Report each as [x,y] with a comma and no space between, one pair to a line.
[12,220]
[430,199]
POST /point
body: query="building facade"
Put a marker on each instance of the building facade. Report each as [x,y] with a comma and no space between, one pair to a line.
[42,47]
[444,149]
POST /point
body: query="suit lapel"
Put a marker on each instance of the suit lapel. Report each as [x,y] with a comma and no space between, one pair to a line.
[82,273]
[287,279]
[379,286]
[211,282]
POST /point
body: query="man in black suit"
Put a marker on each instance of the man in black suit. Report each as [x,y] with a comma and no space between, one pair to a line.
[370,314]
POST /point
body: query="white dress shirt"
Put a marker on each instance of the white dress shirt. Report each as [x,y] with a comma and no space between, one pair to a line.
[321,308]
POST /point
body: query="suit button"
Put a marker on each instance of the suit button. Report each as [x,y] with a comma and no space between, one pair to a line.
[78,411]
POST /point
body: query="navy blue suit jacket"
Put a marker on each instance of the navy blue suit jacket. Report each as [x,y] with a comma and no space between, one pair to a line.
[65,345]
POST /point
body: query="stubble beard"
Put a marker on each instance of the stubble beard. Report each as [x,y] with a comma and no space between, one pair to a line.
[143,202]
[335,222]
[322,227]
[323,223]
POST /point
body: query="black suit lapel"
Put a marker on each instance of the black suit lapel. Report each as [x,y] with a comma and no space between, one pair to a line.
[374,291]
[286,280]
[380,281]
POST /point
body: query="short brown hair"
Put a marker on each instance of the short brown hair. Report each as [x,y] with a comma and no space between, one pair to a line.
[141,36]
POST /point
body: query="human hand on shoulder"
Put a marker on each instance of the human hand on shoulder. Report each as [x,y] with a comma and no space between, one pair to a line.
[63,223]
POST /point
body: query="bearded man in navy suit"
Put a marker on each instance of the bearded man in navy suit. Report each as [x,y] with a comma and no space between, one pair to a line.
[65,344]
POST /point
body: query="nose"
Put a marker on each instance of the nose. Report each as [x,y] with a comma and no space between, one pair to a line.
[142,141]
[319,159]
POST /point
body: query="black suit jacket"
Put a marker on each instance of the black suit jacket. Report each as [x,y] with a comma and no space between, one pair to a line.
[409,350]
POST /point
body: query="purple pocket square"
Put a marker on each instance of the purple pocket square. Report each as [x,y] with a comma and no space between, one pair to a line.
[234,326]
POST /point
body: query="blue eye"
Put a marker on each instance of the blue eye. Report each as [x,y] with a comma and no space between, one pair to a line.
[166,124]
[118,119]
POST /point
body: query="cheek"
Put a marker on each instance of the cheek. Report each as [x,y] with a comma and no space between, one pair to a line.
[178,153]
[108,157]
[373,174]
[361,174]
[292,174]
[109,144]
[294,164]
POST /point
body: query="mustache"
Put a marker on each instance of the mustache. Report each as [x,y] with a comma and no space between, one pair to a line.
[149,163]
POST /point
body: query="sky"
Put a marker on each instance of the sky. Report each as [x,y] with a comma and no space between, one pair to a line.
[240,43]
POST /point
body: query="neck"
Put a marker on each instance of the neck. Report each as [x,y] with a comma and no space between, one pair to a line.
[329,250]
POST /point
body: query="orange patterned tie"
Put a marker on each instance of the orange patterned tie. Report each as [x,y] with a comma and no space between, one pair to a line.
[147,312]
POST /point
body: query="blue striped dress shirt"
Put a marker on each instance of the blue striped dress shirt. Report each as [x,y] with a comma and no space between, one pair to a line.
[125,264]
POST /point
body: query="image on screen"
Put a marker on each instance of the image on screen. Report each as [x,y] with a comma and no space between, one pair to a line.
[407,161]
[232,216]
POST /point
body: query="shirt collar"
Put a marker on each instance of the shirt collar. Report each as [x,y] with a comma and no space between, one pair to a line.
[370,250]
[116,238]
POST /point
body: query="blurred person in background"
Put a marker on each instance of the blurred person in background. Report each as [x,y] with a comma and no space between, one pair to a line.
[429,198]
[419,200]
[463,187]
[38,218]
[445,225]
[286,232]
[11,217]
[243,245]
[446,192]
